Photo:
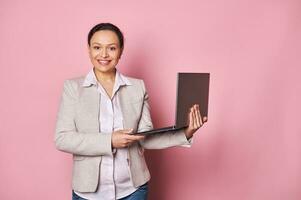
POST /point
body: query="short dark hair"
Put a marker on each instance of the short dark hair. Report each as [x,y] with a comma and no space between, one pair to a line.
[109,27]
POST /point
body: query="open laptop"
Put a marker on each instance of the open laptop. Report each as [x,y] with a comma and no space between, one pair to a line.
[192,88]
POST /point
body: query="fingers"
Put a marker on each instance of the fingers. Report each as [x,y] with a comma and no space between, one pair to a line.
[127,130]
[135,137]
[130,137]
[196,120]
[124,138]
[190,118]
[198,117]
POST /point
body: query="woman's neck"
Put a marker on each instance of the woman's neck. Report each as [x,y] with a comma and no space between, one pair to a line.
[107,77]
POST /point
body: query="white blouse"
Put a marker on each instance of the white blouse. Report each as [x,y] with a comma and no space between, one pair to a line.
[114,180]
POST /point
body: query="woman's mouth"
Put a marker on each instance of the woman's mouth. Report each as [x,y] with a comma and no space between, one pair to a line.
[104,62]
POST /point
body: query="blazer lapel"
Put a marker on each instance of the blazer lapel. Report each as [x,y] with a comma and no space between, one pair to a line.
[123,99]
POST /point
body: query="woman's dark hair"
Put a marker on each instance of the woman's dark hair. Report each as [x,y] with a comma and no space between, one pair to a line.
[109,27]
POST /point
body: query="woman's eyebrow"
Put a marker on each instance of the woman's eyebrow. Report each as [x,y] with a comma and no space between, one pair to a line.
[105,44]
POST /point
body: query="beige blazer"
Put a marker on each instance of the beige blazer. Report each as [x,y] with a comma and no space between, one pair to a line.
[78,132]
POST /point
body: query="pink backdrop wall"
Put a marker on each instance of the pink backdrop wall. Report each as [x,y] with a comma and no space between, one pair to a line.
[250,147]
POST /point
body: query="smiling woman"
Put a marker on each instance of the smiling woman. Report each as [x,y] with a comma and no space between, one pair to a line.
[97,117]
[104,51]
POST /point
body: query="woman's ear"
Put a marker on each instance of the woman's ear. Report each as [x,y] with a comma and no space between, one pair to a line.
[121,51]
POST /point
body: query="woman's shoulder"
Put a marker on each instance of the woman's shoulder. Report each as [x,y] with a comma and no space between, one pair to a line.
[134,80]
[74,83]
[137,83]
[75,80]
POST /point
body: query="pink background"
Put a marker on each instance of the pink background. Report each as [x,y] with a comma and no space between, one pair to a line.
[250,147]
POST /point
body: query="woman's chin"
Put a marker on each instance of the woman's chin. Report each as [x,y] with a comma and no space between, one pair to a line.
[105,69]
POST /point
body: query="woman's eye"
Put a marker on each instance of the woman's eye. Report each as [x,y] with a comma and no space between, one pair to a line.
[96,47]
[112,48]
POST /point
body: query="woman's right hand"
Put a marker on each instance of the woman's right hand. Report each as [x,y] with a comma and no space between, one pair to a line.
[124,138]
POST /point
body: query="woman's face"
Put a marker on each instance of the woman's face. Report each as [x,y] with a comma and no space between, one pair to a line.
[104,50]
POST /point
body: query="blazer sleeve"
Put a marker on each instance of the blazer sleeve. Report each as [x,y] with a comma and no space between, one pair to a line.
[67,138]
[158,141]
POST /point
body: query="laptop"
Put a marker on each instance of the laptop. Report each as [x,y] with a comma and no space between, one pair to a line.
[192,88]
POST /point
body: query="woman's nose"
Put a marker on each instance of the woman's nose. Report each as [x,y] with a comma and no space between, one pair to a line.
[104,53]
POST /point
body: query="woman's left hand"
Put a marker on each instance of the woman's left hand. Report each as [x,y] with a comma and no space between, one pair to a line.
[195,121]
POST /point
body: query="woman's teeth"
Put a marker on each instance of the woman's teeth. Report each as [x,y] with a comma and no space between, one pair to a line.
[103,62]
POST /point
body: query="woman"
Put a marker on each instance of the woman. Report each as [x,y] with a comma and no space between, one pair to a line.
[97,116]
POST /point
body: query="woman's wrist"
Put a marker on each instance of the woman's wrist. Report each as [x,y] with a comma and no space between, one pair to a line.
[188,134]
